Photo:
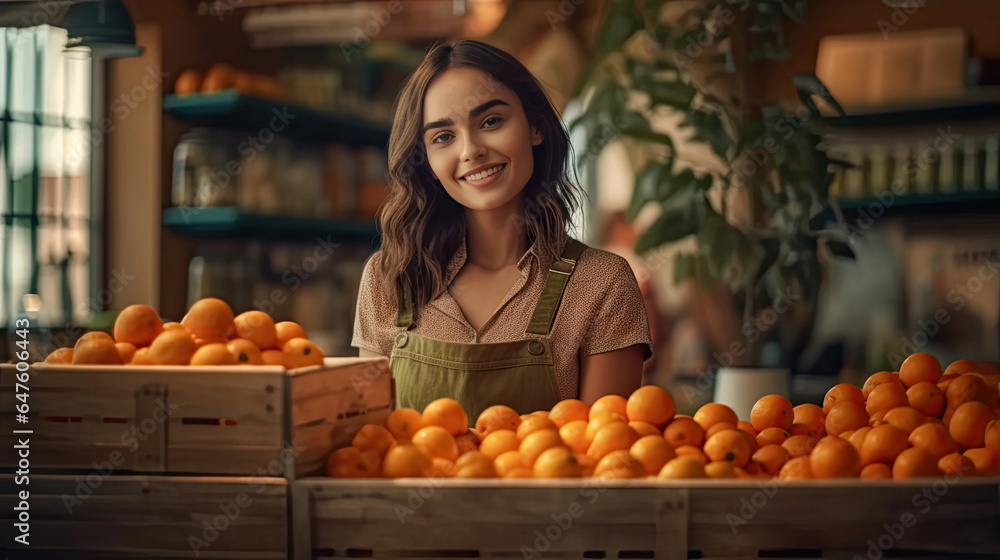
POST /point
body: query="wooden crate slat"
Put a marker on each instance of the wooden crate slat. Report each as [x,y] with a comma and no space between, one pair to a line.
[59,402]
[242,434]
[230,461]
[42,553]
[155,515]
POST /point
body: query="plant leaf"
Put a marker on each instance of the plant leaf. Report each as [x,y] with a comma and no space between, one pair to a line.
[673,224]
[646,189]
[840,249]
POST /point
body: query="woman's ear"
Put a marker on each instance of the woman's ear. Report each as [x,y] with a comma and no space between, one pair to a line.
[536,136]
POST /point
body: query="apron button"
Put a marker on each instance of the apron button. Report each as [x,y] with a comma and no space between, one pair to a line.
[401,340]
[536,347]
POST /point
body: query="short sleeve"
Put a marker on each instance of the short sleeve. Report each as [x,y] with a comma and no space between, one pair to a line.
[618,319]
[374,320]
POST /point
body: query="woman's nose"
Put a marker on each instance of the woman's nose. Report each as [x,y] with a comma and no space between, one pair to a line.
[472,148]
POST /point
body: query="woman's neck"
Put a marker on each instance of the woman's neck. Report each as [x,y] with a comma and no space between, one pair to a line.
[496,239]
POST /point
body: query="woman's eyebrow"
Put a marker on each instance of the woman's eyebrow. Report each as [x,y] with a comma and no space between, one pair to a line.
[475,112]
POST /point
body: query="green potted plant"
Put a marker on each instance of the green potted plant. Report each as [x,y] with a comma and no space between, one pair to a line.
[758,204]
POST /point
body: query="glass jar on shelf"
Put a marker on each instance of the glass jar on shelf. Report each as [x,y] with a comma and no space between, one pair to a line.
[204,173]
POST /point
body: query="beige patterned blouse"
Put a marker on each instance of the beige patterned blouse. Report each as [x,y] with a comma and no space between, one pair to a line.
[601,311]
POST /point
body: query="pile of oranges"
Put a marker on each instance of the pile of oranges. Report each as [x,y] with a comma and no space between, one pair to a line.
[919,421]
[208,335]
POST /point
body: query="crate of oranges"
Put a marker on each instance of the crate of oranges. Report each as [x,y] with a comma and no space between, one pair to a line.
[217,393]
[908,461]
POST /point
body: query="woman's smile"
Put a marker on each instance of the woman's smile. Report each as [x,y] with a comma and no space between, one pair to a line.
[484,175]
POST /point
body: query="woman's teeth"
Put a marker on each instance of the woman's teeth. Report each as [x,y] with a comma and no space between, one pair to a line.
[483,174]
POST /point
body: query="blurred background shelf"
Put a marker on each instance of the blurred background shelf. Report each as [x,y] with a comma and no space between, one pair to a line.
[231,109]
[232,223]
[929,203]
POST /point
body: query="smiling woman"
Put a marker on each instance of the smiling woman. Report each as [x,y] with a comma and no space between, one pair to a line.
[478,293]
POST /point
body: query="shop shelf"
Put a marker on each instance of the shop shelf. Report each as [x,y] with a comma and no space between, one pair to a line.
[231,109]
[231,222]
[979,106]
[927,203]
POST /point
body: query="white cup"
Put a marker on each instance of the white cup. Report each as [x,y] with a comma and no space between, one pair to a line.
[741,388]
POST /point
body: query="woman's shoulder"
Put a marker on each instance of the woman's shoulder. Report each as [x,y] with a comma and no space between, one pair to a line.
[594,261]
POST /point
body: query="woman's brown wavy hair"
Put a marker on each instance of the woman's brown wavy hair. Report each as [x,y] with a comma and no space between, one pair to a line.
[422,226]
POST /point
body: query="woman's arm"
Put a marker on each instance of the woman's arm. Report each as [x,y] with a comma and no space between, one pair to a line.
[368,354]
[618,372]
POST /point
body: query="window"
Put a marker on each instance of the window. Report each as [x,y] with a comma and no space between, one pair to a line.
[47,236]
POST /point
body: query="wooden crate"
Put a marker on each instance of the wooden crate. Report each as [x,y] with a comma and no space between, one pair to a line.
[149,517]
[253,421]
[644,519]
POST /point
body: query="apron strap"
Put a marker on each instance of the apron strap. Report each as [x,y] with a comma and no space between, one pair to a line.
[404,318]
[555,285]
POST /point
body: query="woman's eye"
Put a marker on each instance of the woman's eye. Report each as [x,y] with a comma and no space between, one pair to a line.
[443,137]
[492,121]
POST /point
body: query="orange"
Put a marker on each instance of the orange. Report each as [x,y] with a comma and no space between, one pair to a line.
[497,417]
[684,431]
[402,423]
[914,462]
[713,413]
[257,327]
[886,396]
[857,438]
[772,411]
[799,446]
[215,354]
[991,437]
[876,471]
[442,468]
[569,410]
[535,443]
[600,419]
[96,347]
[772,457]
[926,398]
[645,429]
[883,444]
[173,347]
[474,465]
[436,441]
[905,418]
[847,415]
[557,462]
[209,318]
[126,350]
[273,358]
[769,436]
[934,439]
[747,427]
[840,393]
[651,404]
[137,324]
[956,464]
[507,462]
[469,441]
[797,468]
[447,413]
[653,452]
[300,352]
[720,469]
[612,403]
[751,440]
[691,451]
[406,460]
[962,366]
[374,437]
[533,423]
[812,417]
[878,379]
[718,427]
[246,353]
[987,461]
[348,462]
[683,467]
[728,445]
[499,442]
[619,464]
[968,424]
[141,357]
[919,367]
[519,472]
[965,388]
[287,330]
[612,437]
[173,325]
[574,435]
[877,419]
[60,356]
[946,380]
[834,457]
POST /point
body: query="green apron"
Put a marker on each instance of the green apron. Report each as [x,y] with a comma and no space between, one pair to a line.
[519,374]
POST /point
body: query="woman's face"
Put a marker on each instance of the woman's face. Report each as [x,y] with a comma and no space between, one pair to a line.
[477,138]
